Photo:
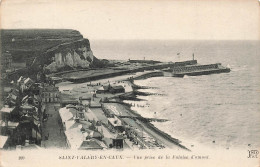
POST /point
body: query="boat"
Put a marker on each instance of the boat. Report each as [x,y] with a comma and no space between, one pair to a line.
[194,70]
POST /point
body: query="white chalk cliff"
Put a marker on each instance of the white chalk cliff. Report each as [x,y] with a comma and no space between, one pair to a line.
[74,55]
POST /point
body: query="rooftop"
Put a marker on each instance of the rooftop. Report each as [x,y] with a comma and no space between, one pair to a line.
[10,124]
[118,87]
[65,114]
[3,140]
[90,144]
[7,109]
[115,121]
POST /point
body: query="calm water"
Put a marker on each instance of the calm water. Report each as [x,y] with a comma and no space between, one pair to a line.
[224,108]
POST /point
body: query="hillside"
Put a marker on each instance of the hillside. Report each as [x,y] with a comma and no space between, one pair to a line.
[56,49]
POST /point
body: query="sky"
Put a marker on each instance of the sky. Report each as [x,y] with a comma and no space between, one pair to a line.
[143,19]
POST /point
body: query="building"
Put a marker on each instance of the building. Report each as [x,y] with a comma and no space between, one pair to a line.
[78,131]
[111,89]
[103,89]
[32,100]
[115,124]
[66,101]
[92,134]
[25,84]
[50,94]
[13,98]
[28,109]
[6,124]
[90,144]
[30,126]
[118,142]
[28,83]
[117,89]
[95,104]
[3,142]
[9,129]
[9,113]
[55,80]
[21,116]
[65,116]
[9,126]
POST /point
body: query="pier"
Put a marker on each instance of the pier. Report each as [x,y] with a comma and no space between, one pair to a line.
[195,70]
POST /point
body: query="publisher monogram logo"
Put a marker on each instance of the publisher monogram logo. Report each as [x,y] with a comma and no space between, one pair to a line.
[253,153]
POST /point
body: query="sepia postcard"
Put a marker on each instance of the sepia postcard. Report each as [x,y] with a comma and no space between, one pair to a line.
[130,83]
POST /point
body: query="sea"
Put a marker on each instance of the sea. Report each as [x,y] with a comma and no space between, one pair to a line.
[211,111]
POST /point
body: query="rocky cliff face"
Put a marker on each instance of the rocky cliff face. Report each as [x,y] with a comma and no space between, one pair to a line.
[70,55]
[53,49]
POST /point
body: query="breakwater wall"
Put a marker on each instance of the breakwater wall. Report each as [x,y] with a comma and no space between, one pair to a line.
[197,67]
[149,75]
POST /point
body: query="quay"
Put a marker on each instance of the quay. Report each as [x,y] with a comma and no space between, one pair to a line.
[91,75]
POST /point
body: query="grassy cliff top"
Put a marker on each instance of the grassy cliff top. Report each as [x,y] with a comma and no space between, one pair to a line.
[36,39]
[39,33]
